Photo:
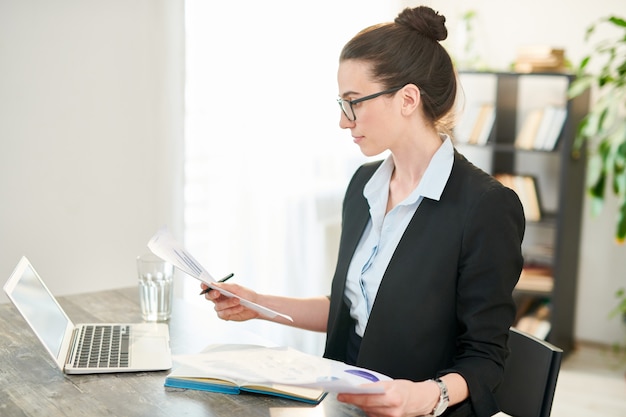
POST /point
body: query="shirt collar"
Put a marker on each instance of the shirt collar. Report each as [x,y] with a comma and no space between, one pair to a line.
[436,175]
[430,186]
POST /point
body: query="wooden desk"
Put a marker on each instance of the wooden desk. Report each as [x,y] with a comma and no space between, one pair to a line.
[31,384]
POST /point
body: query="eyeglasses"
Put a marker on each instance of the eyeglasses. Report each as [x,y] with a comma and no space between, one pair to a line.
[349,110]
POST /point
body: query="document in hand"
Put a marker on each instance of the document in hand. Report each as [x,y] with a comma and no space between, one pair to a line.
[278,371]
[165,246]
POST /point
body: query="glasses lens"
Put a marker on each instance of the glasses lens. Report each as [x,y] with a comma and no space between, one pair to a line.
[346,108]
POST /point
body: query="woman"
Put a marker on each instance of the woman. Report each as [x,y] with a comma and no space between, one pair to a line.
[430,248]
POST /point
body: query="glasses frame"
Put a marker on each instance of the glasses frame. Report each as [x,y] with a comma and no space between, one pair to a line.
[341,102]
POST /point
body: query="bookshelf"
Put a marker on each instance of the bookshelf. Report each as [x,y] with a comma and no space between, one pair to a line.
[547,289]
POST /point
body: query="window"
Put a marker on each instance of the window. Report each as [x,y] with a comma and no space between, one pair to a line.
[265,170]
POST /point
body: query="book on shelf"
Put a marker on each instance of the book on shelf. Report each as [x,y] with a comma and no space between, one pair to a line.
[465,124]
[549,131]
[539,254]
[536,278]
[476,124]
[541,128]
[275,371]
[483,125]
[535,318]
[526,189]
[525,139]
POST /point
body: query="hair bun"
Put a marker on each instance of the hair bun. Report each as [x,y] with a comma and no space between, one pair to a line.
[425,21]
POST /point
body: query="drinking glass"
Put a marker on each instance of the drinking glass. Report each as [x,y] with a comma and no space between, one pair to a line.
[155,287]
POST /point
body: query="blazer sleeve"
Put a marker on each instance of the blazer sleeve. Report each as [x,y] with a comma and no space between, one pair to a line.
[489,268]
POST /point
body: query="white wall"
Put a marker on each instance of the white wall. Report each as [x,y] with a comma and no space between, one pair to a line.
[501,27]
[91,116]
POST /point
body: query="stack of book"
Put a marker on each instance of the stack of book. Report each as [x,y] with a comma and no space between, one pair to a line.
[540,58]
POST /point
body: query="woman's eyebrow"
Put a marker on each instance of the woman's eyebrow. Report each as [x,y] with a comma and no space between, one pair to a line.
[348,93]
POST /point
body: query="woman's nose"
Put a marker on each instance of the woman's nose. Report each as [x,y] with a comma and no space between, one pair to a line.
[344,123]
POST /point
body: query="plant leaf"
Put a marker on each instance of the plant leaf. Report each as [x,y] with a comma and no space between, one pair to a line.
[618,21]
[597,204]
[579,86]
[581,67]
[619,172]
[594,172]
[620,233]
[580,139]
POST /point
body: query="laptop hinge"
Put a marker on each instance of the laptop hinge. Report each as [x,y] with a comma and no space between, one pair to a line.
[74,346]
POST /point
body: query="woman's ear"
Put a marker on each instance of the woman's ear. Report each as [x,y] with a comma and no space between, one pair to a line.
[411,99]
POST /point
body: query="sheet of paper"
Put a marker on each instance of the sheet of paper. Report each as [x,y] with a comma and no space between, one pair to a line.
[165,246]
[280,365]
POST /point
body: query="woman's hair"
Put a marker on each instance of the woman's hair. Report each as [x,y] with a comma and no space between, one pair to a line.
[407,51]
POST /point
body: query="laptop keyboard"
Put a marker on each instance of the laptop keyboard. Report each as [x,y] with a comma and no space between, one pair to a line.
[103,346]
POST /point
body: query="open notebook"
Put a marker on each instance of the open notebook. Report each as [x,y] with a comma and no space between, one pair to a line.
[279,371]
[86,348]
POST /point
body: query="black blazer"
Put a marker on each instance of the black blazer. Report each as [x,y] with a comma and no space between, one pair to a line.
[445,302]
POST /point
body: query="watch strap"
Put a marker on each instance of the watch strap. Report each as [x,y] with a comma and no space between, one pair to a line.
[444,398]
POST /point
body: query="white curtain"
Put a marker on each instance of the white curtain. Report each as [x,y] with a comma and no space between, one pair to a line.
[266,162]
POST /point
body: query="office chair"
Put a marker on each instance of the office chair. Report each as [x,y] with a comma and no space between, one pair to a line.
[530,376]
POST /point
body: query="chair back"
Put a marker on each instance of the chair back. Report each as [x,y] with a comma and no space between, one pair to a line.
[530,376]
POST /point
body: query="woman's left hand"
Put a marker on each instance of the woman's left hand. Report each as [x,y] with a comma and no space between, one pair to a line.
[402,398]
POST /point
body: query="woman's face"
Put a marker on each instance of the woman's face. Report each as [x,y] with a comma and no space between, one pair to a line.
[373,129]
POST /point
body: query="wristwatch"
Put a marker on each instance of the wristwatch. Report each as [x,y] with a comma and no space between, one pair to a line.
[444,399]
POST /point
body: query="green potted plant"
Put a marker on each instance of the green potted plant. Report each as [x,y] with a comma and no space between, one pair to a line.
[603,129]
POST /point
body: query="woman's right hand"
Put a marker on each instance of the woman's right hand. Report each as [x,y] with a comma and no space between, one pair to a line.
[229,308]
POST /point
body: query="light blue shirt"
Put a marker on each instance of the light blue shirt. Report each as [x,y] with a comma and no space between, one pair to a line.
[383,231]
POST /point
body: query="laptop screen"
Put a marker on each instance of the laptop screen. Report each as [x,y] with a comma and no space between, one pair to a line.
[40,309]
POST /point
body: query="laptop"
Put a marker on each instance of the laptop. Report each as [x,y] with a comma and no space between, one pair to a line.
[86,348]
